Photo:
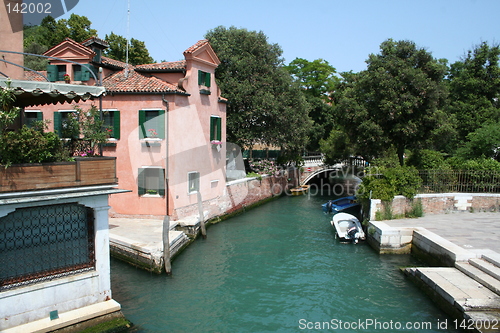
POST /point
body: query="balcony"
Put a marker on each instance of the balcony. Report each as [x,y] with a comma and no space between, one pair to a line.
[84,171]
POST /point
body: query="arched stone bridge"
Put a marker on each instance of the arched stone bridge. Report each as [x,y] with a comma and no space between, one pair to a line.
[314,167]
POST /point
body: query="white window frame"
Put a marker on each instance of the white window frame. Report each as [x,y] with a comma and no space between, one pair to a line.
[193,184]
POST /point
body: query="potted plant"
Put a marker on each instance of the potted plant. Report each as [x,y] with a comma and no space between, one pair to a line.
[67,78]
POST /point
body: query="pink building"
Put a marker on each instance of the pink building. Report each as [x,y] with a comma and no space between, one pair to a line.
[167,122]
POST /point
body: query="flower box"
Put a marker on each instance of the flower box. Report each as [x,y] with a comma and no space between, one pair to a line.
[84,171]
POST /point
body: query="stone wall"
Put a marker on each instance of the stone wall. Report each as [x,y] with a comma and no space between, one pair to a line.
[442,203]
[237,195]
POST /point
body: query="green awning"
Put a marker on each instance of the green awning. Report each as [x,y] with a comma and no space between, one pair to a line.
[31,93]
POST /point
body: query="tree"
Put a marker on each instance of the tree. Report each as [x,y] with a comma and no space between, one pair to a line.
[318,81]
[137,55]
[265,105]
[482,143]
[475,88]
[395,102]
[79,28]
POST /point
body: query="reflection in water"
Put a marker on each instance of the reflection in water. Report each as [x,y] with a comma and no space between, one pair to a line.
[277,268]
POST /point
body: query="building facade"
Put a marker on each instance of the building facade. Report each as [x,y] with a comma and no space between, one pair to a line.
[166,123]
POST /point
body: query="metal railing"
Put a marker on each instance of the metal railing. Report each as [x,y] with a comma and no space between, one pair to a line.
[464,181]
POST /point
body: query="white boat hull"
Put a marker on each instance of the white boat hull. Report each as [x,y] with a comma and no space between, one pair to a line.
[348,227]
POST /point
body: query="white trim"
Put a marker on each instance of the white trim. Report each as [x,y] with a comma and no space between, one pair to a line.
[188,183]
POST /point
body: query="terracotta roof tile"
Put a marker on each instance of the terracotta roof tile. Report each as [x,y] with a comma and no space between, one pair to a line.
[163,66]
[137,82]
[196,46]
[113,62]
[32,76]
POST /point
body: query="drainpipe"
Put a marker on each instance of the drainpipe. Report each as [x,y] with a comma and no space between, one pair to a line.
[166,219]
[100,108]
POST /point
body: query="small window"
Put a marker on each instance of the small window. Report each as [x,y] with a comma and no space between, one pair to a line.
[215,128]
[193,182]
[65,124]
[151,124]
[151,181]
[111,120]
[61,70]
[32,116]
[204,79]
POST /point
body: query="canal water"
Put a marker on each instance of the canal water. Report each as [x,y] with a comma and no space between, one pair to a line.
[277,268]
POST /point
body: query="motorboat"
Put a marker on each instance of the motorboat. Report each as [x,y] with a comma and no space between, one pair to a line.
[344,204]
[348,228]
[299,190]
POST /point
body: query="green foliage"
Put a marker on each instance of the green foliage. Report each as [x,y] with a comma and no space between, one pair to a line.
[30,145]
[385,183]
[336,148]
[474,88]
[478,164]
[138,53]
[8,112]
[86,126]
[266,105]
[482,143]
[317,80]
[417,209]
[394,102]
[33,62]
[427,159]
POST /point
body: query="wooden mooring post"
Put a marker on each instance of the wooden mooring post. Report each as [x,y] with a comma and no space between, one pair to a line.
[202,218]
[166,245]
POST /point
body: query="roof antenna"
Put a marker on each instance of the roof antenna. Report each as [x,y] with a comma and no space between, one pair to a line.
[126,49]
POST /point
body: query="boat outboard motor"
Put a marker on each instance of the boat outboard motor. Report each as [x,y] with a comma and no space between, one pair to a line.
[329,207]
[353,234]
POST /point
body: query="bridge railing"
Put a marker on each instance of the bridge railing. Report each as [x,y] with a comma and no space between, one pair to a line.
[311,161]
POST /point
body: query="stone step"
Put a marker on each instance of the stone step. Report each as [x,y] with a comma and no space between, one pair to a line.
[493,258]
[483,321]
[480,276]
[458,289]
[486,267]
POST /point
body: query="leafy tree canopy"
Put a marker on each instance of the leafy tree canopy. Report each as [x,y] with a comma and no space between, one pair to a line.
[395,101]
[38,39]
[475,88]
[318,80]
[265,104]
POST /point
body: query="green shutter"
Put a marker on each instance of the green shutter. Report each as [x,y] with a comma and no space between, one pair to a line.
[52,73]
[141,181]
[58,123]
[212,132]
[85,73]
[161,182]
[142,127]
[77,72]
[219,129]
[161,124]
[39,116]
[207,80]
[116,124]
[200,78]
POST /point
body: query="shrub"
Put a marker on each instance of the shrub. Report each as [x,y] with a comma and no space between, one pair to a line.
[385,183]
[30,145]
[427,159]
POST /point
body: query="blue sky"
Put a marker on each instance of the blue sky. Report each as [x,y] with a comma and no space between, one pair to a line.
[342,32]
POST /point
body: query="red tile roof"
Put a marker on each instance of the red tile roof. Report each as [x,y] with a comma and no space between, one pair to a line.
[113,62]
[196,46]
[170,66]
[32,76]
[137,82]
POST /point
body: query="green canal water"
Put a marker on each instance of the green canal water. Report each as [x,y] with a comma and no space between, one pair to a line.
[277,268]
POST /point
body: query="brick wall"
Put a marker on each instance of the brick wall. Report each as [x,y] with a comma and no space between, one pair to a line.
[443,203]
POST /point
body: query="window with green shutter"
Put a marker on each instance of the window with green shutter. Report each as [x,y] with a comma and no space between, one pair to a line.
[215,128]
[151,124]
[111,120]
[32,116]
[63,125]
[151,181]
[204,79]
